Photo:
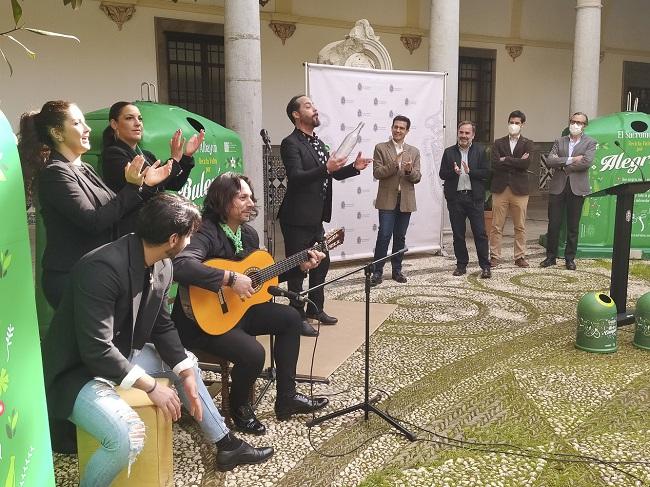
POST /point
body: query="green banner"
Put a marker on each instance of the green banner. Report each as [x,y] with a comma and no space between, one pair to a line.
[25,454]
[623,155]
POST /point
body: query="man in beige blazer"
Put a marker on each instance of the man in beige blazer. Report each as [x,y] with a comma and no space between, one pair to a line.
[397,167]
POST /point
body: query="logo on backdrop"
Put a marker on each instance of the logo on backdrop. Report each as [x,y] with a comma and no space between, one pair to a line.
[345,205]
[362,240]
[393,88]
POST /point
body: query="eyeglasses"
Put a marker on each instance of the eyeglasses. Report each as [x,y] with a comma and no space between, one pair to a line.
[577,122]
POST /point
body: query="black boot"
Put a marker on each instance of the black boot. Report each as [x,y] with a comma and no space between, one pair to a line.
[245,420]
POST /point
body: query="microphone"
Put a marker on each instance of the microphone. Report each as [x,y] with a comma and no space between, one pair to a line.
[278,291]
[265,138]
[618,144]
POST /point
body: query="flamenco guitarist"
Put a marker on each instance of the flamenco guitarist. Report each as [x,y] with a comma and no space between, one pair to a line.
[224,233]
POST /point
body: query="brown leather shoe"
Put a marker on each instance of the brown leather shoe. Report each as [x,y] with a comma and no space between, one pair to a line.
[522,262]
[494,262]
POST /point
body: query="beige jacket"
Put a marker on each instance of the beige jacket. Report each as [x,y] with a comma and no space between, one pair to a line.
[386,169]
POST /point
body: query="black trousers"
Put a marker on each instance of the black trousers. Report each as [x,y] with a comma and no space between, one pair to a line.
[54,285]
[241,348]
[296,239]
[569,204]
[463,208]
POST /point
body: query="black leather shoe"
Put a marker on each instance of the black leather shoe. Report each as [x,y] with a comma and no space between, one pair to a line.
[298,404]
[399,277]
[459,271]
[307,330]
[486,273]
[324,318]
[376,279]
[245,454]
[570,264]
[244,420]
[549,261]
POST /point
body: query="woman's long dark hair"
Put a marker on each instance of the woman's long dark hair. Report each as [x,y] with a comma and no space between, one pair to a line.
[108,135]
[220,195]
[35,141]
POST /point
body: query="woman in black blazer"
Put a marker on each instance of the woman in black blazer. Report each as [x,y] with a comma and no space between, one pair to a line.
[121,139]
[79,210]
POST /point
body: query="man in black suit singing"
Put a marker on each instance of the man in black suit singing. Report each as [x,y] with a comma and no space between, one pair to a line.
[113,327]
[308,201]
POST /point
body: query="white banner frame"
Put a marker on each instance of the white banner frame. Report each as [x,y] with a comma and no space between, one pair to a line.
[351,95]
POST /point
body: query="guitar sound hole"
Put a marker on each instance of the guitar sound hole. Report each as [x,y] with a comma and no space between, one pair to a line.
[253,273]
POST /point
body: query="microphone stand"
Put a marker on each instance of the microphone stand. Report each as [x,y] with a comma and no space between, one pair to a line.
[367,406]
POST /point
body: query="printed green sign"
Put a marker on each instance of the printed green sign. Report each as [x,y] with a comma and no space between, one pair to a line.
[25,453]
[623,156]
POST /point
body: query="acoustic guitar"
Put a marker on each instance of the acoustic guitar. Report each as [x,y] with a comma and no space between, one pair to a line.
[217,313]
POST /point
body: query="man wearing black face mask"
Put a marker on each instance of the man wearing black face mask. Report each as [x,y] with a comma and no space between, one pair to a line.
[509,186]
[571,157]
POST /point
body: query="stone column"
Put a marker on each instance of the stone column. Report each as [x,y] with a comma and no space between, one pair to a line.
[244,89]
[586,58]
[444,39]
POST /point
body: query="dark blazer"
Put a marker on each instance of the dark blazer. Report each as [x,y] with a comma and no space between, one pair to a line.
[513,170]
[117,156]
[95,329]
[479,170]
[209,242]
[79,215]
[304,203]
[577,172]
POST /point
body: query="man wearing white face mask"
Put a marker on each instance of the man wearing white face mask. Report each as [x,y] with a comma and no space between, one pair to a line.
[571,157]
[509,186]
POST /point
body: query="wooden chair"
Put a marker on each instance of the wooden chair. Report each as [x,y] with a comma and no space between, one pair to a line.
[219,365]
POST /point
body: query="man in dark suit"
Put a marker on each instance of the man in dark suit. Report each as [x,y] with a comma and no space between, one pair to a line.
[510,161]
[571,157]
[308,200]
[113,327]
[464,169]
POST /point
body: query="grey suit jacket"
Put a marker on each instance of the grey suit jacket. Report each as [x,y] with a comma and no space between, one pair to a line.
[576,172]
[96,326]
[391,177]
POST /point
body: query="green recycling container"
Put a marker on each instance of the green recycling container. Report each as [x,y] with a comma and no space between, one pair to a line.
[642,318]
[596,323]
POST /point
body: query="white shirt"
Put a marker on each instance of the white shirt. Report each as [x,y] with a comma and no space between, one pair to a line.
[464,182]
[513,144]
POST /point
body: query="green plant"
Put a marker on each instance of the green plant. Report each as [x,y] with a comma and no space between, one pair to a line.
[17,12]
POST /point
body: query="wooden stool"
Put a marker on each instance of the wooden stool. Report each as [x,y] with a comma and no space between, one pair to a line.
[154,465]
[219,365]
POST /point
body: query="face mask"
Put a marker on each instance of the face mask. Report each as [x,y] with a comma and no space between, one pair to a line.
[514,129]
[575,129]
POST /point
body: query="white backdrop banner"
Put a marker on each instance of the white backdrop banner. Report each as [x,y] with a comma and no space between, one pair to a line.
[346,96]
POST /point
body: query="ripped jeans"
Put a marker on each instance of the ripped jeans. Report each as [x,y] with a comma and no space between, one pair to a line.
[121,433]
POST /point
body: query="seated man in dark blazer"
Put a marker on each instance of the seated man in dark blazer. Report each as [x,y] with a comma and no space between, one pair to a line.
[113,327]
[464,169]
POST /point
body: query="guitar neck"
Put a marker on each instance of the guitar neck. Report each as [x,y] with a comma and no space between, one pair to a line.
[289,263]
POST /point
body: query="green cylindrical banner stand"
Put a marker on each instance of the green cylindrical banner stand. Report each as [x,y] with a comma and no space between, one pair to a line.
[642,318]
[596,324]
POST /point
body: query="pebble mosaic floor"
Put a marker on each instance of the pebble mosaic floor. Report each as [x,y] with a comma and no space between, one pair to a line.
[491,362]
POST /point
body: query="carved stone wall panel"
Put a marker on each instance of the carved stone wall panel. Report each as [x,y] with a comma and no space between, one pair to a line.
[360,48]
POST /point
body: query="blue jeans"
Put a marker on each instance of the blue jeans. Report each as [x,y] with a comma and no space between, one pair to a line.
[392,223]
[121,433]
